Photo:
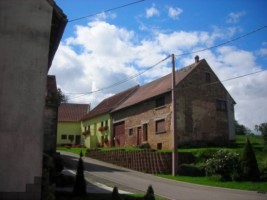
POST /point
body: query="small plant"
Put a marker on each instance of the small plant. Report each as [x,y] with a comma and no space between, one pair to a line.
[149,193]
[249,166]
[79,188]
[115,194]
[223,163]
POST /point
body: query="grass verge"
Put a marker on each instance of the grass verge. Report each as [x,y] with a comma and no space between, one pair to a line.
[253,186]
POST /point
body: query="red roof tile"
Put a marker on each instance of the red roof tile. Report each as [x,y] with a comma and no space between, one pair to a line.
[109,103]
[157,87]
[69,112]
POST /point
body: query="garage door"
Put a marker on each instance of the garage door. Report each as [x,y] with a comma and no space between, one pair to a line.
[119,133]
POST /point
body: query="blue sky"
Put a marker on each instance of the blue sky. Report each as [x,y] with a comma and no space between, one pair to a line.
[103,49]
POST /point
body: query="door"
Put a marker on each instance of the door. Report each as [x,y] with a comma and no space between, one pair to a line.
[139,136]
[119,134]
[78,139]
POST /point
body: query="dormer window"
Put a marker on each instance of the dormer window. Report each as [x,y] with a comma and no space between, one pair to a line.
[160,102]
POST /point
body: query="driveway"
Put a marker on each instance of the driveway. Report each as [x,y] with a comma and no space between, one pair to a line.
[135,181]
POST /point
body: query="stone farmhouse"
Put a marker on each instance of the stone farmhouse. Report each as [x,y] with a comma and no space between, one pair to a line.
[143,114]
[204,111]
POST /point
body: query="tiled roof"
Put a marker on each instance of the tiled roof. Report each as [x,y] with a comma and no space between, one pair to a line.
[157,87]
[69,112]
[109,103]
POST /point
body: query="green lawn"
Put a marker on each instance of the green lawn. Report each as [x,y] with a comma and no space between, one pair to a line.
[261,187]
[73,150]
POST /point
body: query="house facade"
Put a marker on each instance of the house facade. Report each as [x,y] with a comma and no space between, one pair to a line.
[69,123]
[204,111]
[97,126]
[29,37]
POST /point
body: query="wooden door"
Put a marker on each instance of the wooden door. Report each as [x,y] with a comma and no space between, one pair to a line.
[119,134]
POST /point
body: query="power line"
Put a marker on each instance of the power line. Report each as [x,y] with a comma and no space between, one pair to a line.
[224,43]
[138,74]
[122,81]
[208,84]
[111,9]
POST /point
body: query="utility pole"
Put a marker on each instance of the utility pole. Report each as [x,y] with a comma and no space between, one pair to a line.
[174,150]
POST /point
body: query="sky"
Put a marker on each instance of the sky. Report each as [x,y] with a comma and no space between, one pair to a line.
[107,48]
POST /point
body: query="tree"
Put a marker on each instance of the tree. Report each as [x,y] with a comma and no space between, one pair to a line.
[79,188]
[149,193]
[263,129]
[240,129]
[62,98]
[115,194]
[249,166]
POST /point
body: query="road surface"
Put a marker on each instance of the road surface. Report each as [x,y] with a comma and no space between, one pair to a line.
[170,189]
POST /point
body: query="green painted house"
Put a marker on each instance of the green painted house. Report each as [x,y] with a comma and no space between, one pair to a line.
[97,124]
[69,123]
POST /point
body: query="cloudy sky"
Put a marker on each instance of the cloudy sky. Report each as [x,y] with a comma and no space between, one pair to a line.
[105,49]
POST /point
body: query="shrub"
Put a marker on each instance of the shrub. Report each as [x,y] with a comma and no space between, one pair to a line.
[115,194]
[223,163]
[149,193]
[190,170]
[249,166]
[79,188]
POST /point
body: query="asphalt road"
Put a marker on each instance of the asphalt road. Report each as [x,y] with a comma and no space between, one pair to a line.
[130,180]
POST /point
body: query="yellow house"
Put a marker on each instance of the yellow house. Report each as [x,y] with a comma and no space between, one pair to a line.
[97,124]
[69,123]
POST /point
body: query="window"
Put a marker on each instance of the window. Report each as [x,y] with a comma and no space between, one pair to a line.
[207,77]
[102,124]
[106,123]
[221,105]
[63,137]
[71,138]
[160,102]
[144,132]
[130,131]
[160,126]
[159,146]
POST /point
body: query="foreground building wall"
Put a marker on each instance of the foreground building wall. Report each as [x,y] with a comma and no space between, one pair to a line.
[25,30]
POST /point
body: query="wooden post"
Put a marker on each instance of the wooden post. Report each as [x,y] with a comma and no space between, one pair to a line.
[174,151]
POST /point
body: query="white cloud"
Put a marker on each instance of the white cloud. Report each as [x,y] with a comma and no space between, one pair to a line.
[152,11]
[174,13]
[234,17]
[109,54]
[262,52]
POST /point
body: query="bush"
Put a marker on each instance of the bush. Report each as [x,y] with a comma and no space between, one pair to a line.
[225,164]
[79,188]
[190,170]
[115,194]
[249,166]
[149,193]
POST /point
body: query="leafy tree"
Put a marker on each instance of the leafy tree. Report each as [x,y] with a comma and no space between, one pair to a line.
[249,166]
[149,193]
[79,188]
[263,129]
[62,98]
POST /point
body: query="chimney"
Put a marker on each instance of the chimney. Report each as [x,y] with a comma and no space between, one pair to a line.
[196,59]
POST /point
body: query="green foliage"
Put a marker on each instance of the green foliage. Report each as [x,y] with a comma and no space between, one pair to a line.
[62,98]
[149,193]
[79,188]
[115,194]
[223,163]
[249,166]
[190,170]
[240,129]
[263,129]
